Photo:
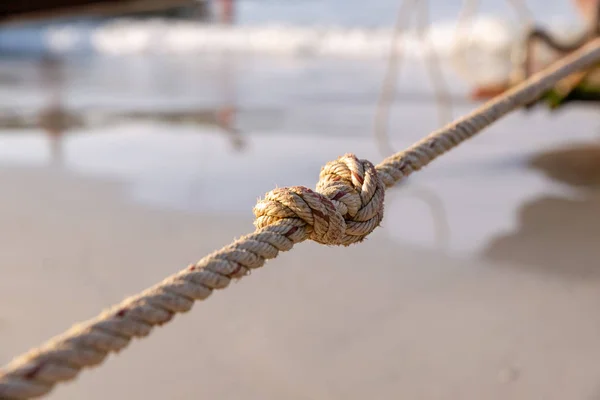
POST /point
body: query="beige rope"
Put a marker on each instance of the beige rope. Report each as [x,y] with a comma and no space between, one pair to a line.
[388,86]
[432,63]
[345,208]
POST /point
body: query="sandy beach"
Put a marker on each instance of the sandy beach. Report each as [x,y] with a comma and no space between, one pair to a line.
[481,283]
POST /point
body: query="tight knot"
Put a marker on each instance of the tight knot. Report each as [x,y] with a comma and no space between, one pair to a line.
[346,206]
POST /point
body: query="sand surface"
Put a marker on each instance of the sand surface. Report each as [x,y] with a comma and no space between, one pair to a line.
[483,282]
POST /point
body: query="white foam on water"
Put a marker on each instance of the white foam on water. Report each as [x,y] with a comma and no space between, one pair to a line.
[124,36]
[480,53]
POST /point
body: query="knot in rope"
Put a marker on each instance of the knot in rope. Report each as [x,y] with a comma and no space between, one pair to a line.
[346,206]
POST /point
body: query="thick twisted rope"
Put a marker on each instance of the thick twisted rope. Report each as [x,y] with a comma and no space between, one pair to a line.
[346,206]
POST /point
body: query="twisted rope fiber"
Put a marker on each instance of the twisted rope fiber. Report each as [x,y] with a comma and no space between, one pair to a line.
[346,206]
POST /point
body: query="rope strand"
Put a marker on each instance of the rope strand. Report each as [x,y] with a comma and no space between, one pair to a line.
[345,208]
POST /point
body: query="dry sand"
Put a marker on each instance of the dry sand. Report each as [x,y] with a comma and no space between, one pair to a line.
[483,283]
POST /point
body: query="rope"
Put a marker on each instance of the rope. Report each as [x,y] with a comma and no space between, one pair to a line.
[388,86]
[432,62]
[345,208]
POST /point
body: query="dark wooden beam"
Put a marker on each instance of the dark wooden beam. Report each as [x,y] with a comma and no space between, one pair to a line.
[14,11]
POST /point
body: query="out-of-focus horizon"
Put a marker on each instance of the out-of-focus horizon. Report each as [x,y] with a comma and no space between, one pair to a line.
[303,28]
[180,35]
[248,66]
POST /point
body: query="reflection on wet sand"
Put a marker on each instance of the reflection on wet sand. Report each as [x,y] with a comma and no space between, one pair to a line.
[558,234]
[55,119]
[223,118]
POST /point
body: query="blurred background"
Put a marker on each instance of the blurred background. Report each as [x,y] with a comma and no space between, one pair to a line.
[156,93]
[244,66]
[136,136]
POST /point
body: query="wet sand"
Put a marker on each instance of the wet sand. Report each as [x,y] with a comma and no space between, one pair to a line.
[482,282]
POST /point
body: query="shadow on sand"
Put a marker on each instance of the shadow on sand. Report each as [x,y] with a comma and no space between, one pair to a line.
[556,234]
